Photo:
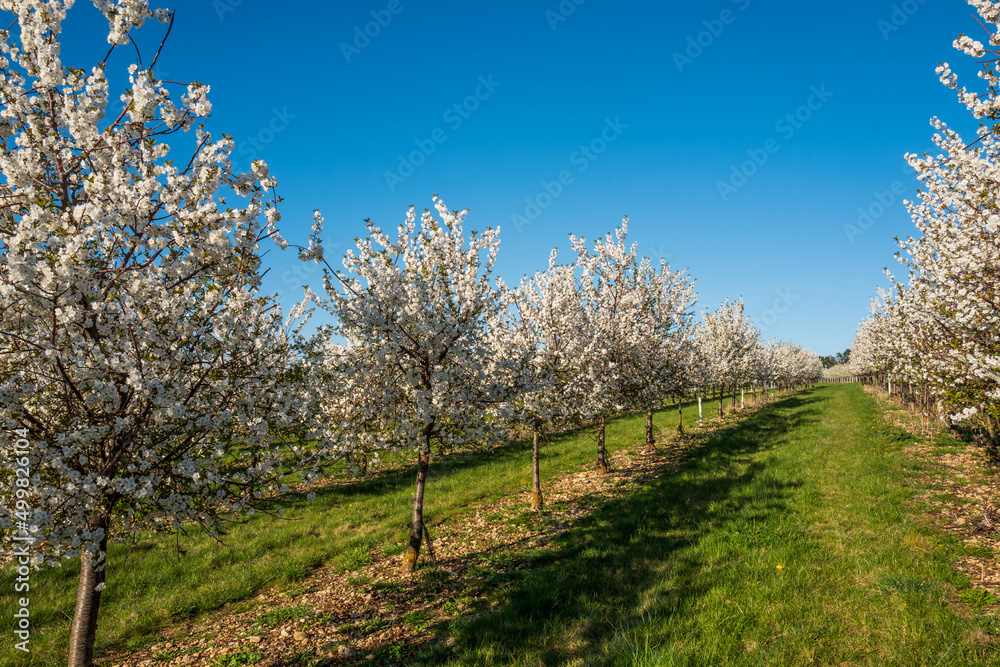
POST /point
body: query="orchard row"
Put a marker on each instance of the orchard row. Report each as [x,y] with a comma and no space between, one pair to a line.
[935,333]
[428,353]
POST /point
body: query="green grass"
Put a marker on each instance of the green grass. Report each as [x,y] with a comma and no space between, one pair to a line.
[238,659]
[162,580]
[788,539]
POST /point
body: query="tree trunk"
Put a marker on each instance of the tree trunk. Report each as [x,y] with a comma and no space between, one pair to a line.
[417,524]
[680,416]
[720,402]
[991,441]
[88,602]
[701,421]
[650,441]
[536,479]
[602,463]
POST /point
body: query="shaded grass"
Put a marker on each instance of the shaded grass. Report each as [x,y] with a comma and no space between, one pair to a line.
[788,539]
[165,580]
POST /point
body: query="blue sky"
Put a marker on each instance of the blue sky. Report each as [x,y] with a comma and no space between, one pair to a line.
[802,111]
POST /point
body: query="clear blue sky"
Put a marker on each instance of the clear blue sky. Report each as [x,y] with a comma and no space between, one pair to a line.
[535,84]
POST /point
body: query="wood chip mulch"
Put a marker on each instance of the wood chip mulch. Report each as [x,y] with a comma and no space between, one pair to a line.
[962,491]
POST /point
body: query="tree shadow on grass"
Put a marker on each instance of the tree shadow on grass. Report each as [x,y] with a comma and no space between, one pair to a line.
[608,567]
[364,493]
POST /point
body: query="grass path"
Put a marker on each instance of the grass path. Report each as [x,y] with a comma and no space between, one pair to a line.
[786,540]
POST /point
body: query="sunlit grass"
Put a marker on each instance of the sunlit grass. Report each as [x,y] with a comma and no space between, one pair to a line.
[788,539]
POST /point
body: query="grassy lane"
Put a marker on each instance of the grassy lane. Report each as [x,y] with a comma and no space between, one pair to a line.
[786,540]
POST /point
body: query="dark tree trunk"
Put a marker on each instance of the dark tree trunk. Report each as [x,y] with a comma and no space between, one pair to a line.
[417,524]
[720,402]
[88,603]
[602,463]
[650,441]
[991,441]
[536,479]
[680,416]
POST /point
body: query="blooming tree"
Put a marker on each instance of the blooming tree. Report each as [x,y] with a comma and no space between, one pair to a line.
[148,376]
[663,362]
[728,344]
[549,330]
[615,306]
[414,312]
[766,367]
[347,414]
[870,351]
